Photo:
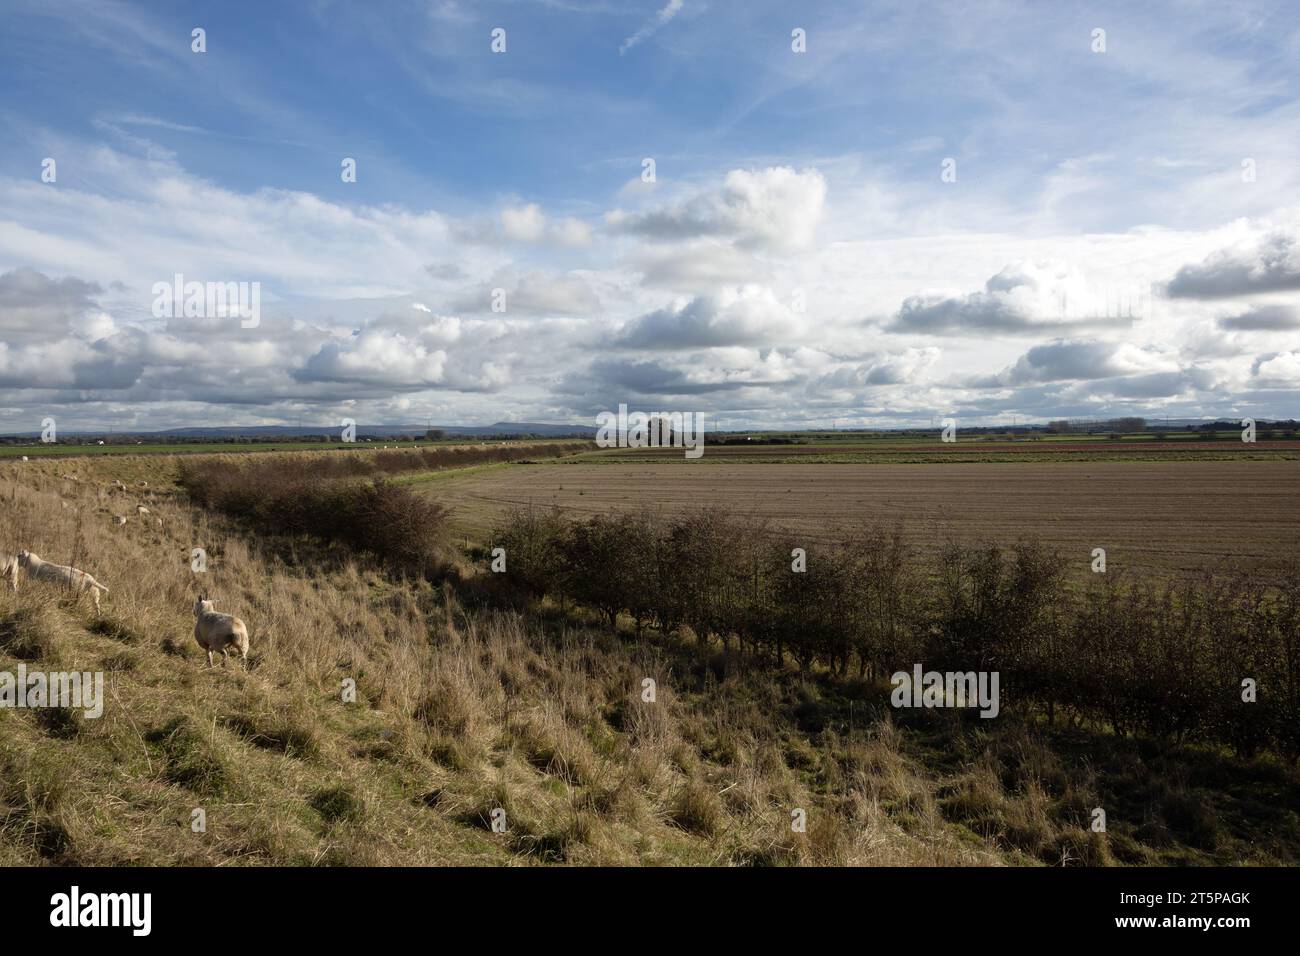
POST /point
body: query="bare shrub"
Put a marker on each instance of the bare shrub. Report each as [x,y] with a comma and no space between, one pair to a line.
[402,528]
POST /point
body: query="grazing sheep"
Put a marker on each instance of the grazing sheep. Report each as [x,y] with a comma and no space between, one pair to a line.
[219,632]
[9,567]
[76,579]
[119,519]
[142,510]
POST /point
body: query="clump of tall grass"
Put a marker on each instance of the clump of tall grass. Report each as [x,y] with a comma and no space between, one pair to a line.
[395,524]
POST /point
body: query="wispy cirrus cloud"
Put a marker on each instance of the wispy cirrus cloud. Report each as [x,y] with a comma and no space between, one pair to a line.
[669,10]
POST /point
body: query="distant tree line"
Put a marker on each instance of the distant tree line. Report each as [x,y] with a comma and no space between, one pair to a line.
[1134,425]
[1121,425]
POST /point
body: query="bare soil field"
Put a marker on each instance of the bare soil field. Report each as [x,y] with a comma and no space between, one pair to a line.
[976,449]
[1149,516]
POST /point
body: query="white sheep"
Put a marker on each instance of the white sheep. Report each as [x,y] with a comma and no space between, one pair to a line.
[142,510]
[77,580]
[9,568]
[219,632]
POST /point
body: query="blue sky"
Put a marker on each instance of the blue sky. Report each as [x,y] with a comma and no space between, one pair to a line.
[798,259]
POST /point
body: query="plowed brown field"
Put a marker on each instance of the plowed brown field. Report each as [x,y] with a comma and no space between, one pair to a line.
[1149,516]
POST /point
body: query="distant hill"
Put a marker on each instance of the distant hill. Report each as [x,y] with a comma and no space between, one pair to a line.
[383,431]
[500,429]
